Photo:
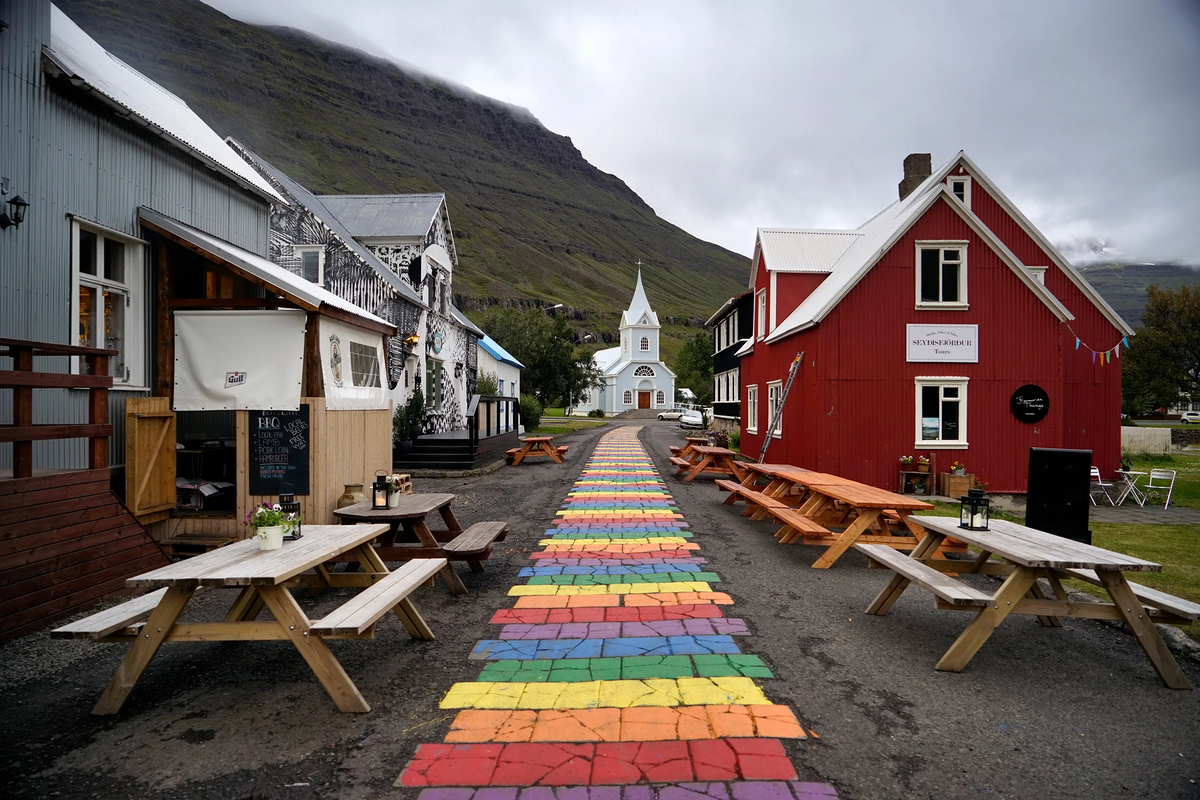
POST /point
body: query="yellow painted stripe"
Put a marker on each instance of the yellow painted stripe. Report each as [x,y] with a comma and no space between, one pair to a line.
[606,694]
[675,587]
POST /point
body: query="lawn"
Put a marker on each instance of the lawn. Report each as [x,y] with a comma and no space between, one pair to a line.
[1187,478]
[566,425]
[554,412]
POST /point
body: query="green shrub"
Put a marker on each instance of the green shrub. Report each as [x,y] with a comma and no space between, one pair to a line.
[596,412]
[735,440]
[400,426]
[488,383]
[531,412]
[416,409]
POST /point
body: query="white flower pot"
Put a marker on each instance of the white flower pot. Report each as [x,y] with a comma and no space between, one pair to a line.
[393,500]
[270,538]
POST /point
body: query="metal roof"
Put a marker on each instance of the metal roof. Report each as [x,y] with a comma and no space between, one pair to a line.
[497,352]
[462,320]
[795,250]
[262,268]
[604,359]
[310,201]
[725,307]
[385,216]
[91,68]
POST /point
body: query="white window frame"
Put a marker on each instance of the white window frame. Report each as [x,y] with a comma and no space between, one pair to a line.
[134,289]
[959,305]
[299,249]
[760,314]
[627,397]
[944,381]
[660,399]
[966,181]
[1039,274]
[752,408]
[774,397]
[644,344]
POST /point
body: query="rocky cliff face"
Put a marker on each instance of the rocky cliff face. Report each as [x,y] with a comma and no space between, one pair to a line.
[534,221]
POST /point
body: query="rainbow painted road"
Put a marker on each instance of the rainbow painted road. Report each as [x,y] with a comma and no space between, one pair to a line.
[616,675]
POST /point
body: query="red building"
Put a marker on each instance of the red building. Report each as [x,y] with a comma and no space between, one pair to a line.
[947,326]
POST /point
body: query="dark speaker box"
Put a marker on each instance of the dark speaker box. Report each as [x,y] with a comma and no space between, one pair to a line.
[1059,492]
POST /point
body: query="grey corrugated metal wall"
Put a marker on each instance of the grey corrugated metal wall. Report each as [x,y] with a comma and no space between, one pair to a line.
[69,155]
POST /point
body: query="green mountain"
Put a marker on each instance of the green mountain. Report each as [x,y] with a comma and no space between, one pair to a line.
[1124,285]
[535,224]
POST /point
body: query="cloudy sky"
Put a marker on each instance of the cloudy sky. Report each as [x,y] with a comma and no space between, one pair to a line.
[728,116]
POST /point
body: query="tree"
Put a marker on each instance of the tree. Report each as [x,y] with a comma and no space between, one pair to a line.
[1163,360]
[554,372]
[693,367]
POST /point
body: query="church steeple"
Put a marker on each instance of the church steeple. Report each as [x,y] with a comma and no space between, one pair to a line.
[639,311]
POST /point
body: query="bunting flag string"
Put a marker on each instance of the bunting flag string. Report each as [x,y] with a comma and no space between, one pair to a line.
[1105,356]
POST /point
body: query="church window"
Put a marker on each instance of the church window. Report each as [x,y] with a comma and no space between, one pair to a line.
[644,345]
[627,397]
[643,372]
[662,398]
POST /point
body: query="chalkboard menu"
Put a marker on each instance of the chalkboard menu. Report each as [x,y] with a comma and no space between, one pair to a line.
[279,443]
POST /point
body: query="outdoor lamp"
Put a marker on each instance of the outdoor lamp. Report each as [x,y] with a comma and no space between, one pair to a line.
[18,206]
[973,513]
[379,491]
[412,339]
[288,505]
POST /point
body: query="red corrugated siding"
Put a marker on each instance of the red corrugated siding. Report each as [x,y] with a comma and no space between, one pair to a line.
[791,288]
[852,411]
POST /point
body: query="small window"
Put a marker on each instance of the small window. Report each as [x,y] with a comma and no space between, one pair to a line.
[627,397]
[643,371]
[501,385]
[751,409]
[760,315]
[774,402]
[434,385]
[312,262]
[1039,274]
[942,274]
[941,412]
[108,303]
[644,344]
[661,398]
[960,187]
[364,365]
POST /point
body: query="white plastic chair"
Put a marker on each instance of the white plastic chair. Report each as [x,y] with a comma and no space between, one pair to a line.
[1098,485]
[1161,480]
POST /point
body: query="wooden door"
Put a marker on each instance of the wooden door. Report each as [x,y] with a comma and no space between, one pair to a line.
[643,399]
[149,458]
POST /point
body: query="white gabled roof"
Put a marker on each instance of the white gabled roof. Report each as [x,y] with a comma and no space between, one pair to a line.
[604,359]
[878,236]
[798,250]
[91,68]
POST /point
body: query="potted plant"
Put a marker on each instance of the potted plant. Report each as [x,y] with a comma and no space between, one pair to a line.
[416,412]
[270,524]
[401,432]
[958,468]
[393,482]
[906,463]
[922,464]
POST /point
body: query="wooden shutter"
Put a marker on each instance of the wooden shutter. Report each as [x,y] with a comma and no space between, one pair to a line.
[149,458]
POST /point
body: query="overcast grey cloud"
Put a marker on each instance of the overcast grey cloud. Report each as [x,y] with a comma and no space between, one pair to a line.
[725,117]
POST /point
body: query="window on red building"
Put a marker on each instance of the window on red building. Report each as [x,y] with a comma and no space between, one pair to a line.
[942,274]
[941,419]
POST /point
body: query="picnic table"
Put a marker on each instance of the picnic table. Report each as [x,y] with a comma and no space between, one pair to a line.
[408,535]
[1025,556]
[534,446]
[689,442]
[706,459]
[264,578]
[806,503]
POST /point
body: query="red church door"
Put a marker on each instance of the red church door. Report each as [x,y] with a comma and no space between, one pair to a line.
[643,399]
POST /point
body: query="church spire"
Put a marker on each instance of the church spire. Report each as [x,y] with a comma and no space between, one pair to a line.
[639,306]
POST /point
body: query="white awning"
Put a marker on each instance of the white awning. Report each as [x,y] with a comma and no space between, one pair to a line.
[242,360]
[353,367]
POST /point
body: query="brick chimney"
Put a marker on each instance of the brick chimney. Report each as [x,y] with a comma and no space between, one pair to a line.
[917,167]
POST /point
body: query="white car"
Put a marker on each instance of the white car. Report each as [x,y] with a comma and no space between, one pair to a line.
[672,413]
[691,419]
[1189,417]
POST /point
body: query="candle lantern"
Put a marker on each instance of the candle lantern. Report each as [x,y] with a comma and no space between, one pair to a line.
[291,507]
[973,512]
[379,491]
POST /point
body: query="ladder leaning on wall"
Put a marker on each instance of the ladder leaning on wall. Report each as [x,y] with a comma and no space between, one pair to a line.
[778,415]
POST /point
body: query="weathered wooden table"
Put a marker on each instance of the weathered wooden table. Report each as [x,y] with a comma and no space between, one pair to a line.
[708,460]
[533,446]
[264,578]
[1025,556]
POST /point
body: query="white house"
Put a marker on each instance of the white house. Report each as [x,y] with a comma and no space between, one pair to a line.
[495,359]
[632,376]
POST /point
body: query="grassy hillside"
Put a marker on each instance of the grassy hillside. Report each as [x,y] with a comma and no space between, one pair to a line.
[1124,285]
[534,222]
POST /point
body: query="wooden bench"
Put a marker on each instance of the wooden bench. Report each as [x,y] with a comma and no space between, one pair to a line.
[682,463]
[942,585]
[796,526]
[675,449]
[758,504]
[110,620]
[1151,597]
[475,543]
[389,594]
[562,449]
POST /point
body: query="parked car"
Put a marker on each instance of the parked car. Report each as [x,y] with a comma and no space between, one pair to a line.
[671,413]
[1188,417]
[691,419]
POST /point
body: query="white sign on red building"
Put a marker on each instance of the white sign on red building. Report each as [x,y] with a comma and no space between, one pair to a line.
[951,343]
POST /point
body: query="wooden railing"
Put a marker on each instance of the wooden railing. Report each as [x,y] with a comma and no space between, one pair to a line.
[21,378]
[507,413]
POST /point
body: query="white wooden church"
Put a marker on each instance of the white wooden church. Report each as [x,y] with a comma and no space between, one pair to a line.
[632,376]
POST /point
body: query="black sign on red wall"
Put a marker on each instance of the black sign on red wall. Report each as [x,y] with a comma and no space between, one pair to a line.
[1030,403]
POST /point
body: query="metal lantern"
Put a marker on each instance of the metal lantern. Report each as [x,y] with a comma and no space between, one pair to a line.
[290,506]
[973,513]
[379,491]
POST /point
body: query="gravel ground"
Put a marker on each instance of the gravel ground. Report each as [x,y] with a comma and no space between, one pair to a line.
[1040,712]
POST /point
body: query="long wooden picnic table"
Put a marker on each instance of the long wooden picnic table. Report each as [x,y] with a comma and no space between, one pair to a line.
[264,577]
[709,460]
[867,513]
[1025,556]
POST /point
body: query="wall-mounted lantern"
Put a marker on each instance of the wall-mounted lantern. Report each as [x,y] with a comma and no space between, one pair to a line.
[17,206]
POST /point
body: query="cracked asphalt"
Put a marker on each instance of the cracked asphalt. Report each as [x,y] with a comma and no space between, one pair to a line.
[1071,712]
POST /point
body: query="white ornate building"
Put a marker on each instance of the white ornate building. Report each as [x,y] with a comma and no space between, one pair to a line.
[632,376]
